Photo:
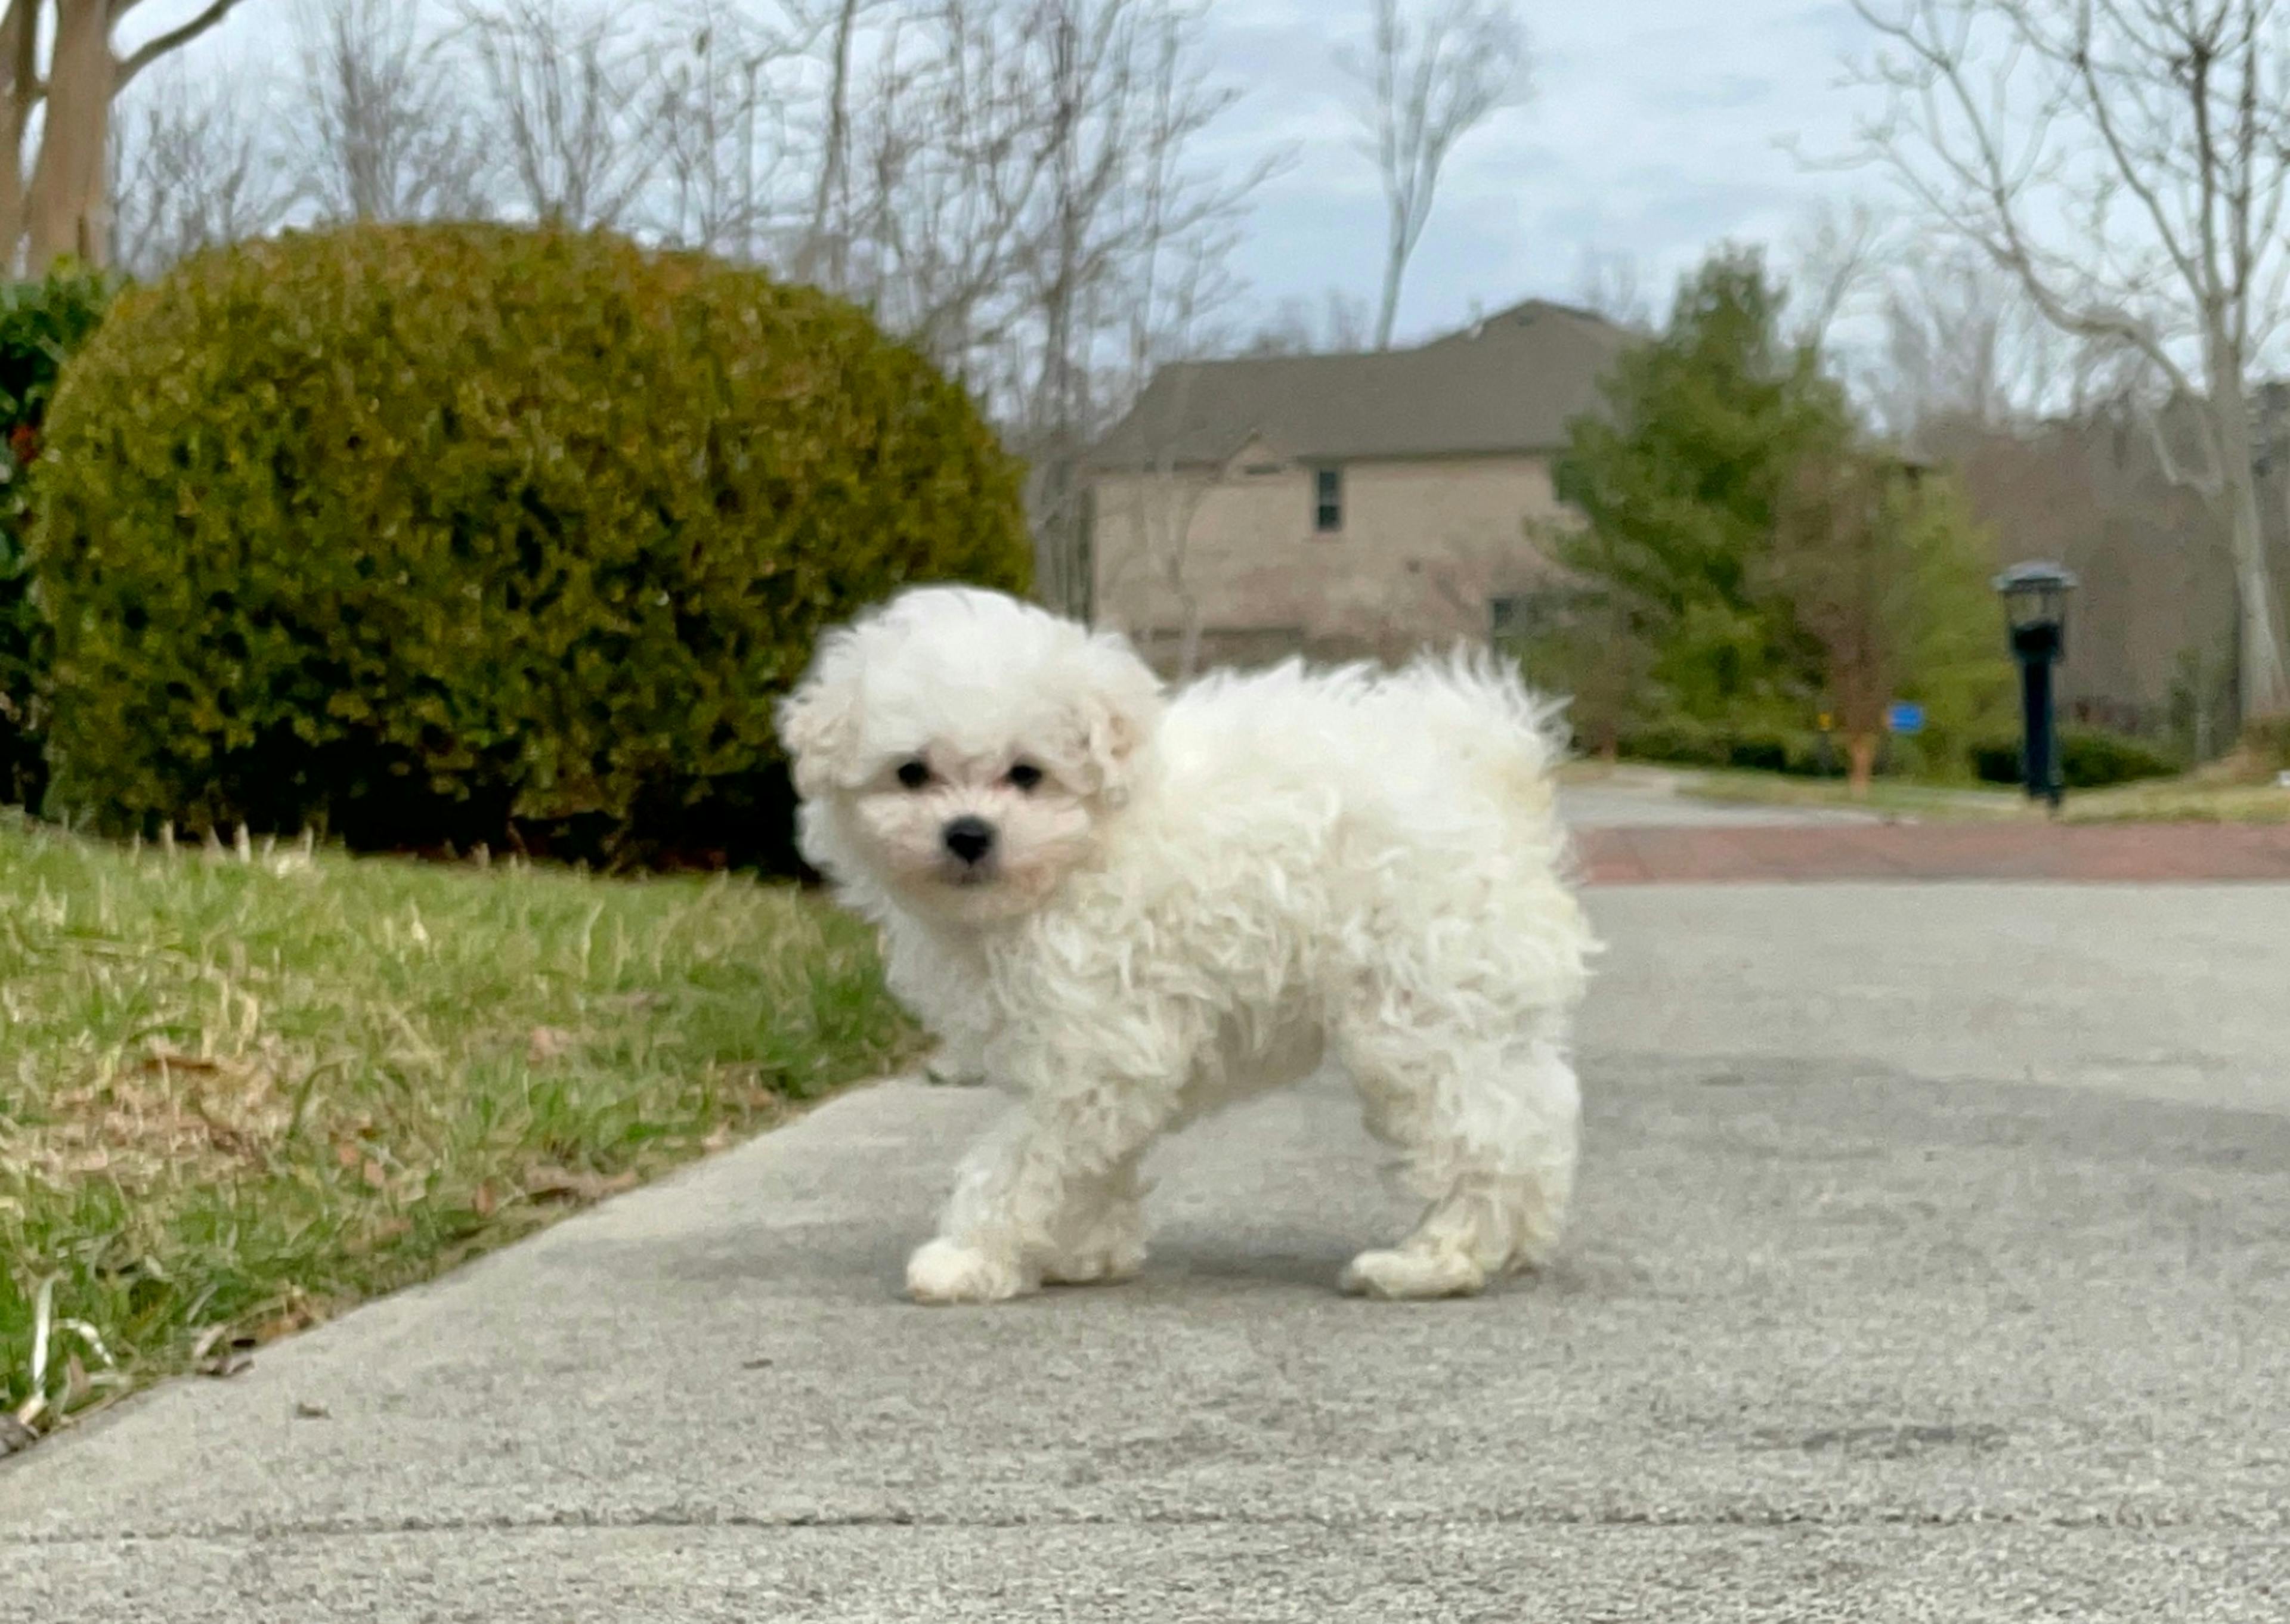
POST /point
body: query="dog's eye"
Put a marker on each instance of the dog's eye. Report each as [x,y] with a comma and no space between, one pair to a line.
[1025,775]
[914,774]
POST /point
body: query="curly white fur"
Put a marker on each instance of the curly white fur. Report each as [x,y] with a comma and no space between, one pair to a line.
[1185,900]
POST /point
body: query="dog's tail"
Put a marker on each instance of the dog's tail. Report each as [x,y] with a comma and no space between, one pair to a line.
[1481,709]
[1486,723]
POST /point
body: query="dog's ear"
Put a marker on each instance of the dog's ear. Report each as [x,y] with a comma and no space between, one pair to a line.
[819,722]
[1121,705]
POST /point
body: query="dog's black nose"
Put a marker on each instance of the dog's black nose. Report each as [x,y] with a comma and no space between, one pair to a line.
[969,838]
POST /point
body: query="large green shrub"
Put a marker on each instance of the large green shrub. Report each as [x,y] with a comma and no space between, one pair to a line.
[458,533]
[41,323]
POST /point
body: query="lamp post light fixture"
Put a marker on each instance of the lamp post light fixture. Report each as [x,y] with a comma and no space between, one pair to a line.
[2036,610]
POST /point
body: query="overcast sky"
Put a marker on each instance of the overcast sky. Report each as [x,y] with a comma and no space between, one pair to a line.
[1658,129]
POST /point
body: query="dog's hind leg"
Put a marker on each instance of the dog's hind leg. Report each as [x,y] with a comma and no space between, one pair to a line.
[1486,1132]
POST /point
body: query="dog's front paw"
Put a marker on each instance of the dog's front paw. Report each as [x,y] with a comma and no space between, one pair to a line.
[1408,1273]
[1102,1265]
[944,1271]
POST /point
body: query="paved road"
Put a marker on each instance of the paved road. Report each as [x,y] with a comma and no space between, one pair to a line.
[1858,1322]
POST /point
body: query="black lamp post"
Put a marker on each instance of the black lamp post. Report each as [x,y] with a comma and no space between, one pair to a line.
[2036,609]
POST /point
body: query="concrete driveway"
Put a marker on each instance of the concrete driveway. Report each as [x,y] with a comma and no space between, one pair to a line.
[1932,1263]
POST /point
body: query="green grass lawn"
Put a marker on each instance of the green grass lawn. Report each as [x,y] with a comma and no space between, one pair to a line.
[2177,800]
[240,1091]
[1927,803]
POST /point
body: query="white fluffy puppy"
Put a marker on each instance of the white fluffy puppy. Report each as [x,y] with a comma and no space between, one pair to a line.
[1128,911]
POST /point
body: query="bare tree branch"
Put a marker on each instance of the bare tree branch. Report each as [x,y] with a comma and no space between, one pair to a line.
[2126,163]
[1428,85]
[824,251]
[570,94]
[1833,263]
[173,39]
[1340,323]
[390,134]
[1608,284]
[948,170]
[193,168]
[1960,343]
[720,132]
[1120,201]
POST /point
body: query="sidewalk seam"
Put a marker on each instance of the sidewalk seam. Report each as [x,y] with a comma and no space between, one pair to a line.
[866,1520]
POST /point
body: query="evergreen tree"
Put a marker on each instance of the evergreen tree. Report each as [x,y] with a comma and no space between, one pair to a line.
[1682,480]
[1749,562]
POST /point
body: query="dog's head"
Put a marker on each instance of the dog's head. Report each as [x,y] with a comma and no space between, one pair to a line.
[961,749]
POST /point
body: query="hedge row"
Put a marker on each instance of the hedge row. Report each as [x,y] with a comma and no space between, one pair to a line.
[1685,742]
[41,323]
[2090,758]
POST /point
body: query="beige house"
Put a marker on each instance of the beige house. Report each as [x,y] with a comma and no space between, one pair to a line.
[1340,505]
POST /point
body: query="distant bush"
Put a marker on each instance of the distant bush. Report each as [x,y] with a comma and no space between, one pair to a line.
[41,323]
[2267,741]
[1749,747]
[1997,761]
[2093,758]
[1679,742]
[2090,758]
[461,534]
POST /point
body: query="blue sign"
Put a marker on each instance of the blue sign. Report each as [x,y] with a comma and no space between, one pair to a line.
[1905,718]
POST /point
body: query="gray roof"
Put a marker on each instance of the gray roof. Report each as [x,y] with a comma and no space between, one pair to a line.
[1508,383]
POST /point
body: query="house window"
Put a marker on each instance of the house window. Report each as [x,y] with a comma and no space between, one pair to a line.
[1511,618]
[1327,500]
[1521,617]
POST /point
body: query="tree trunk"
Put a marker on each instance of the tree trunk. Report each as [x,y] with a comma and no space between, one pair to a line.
[1395,266]
[1861,752]
[2264,686]
[68,213]
[1059,544]
[20,82]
